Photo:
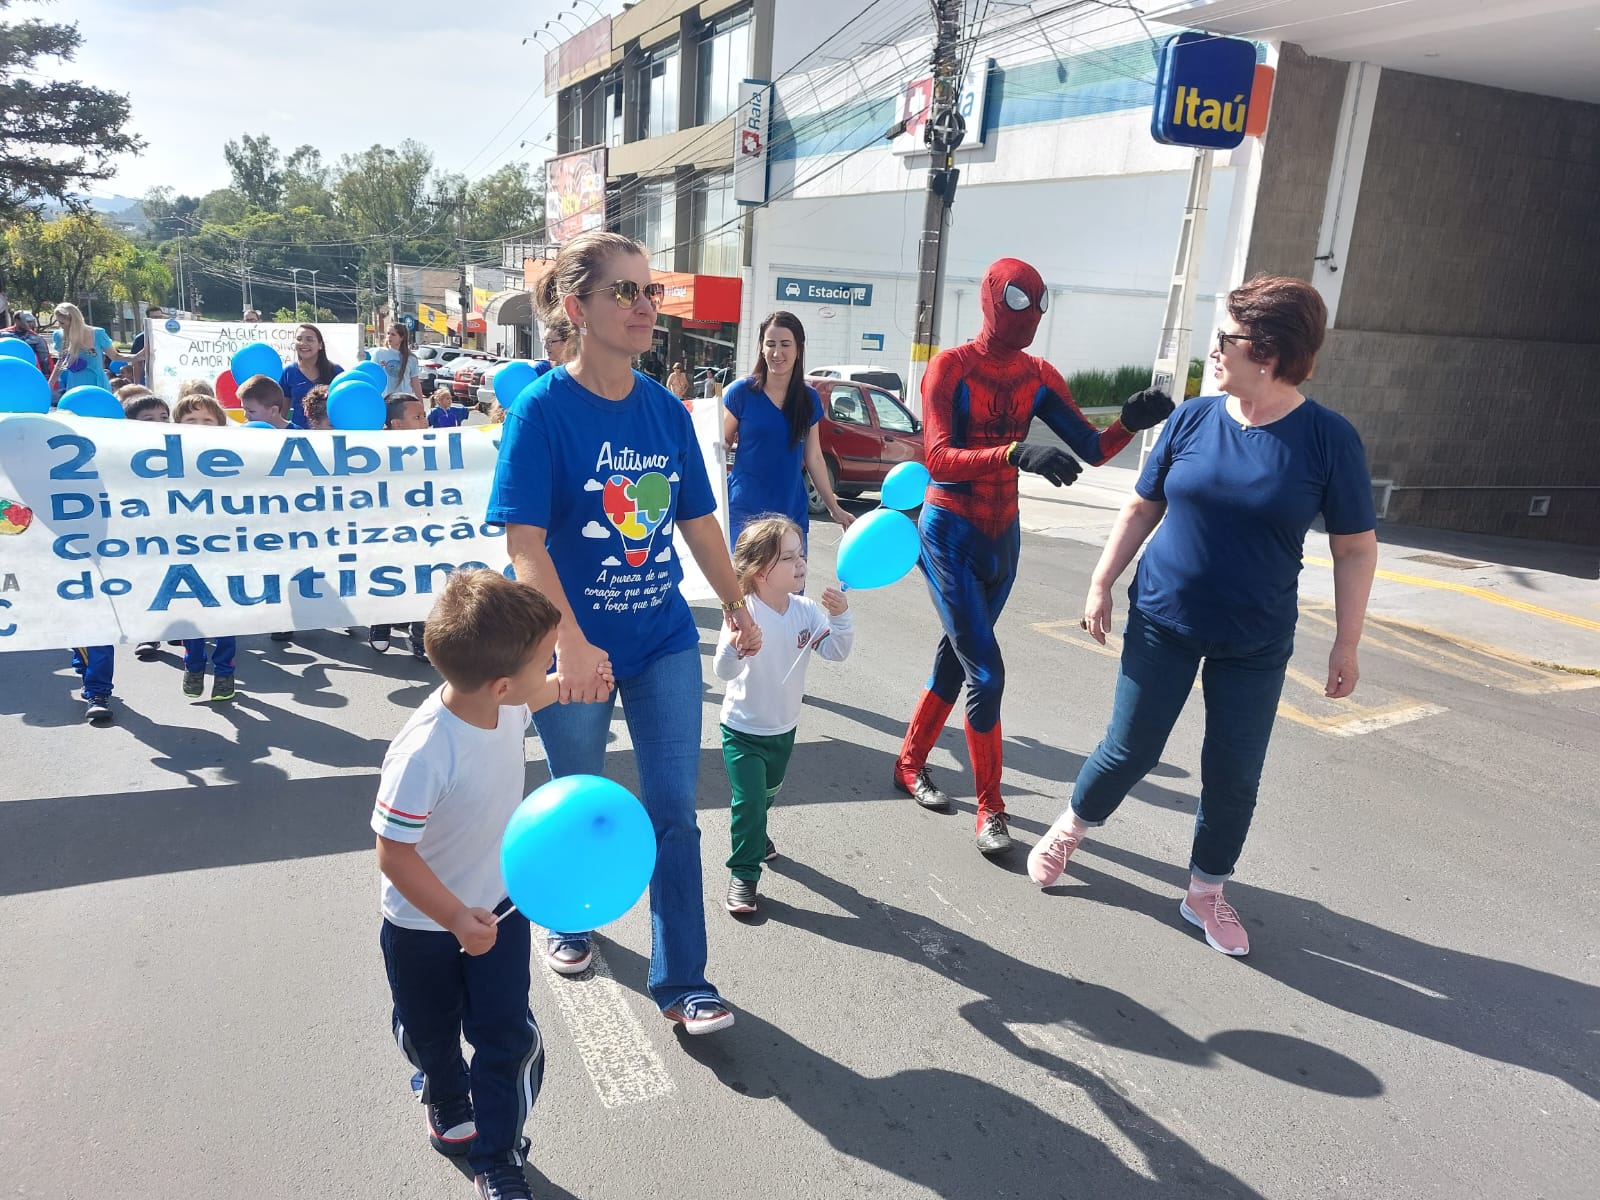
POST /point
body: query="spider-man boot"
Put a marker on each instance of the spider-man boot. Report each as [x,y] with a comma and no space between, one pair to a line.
[985,751]
[911,769]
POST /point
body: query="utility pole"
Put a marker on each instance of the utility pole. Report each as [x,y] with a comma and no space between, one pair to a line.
[942,132]
[460,205]
[244,295]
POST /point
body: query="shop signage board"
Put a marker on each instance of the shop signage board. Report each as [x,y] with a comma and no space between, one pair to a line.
[750,142]
[1203,87]
[824,291]
[575,194]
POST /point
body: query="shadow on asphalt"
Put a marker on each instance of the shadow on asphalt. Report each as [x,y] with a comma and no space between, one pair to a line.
[1496,1010]
[956,1136]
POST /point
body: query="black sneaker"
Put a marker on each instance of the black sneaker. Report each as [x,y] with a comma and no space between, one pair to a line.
[923,790]
[222,687]
[98,710]
[378,638]
[282,637]
[994,837]
[147,651]
[770,853]
[502,1181]
[741,895]
[194,684]
[418,650]
[451,1129]
[568,955]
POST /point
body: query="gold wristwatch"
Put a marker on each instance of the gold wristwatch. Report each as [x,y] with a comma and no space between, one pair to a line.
[733,606]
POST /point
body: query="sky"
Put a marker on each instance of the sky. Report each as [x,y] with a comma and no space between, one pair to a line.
[337,75]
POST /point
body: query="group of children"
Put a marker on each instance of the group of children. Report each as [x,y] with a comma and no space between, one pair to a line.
[455,949]
[262,399]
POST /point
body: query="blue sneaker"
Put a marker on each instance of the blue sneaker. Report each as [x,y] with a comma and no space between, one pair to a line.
[700,1014]
[502,1181]
[568,953]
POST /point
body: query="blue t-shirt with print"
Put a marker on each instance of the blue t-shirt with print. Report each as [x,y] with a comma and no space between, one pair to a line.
[1224,565]
[296,383]
[608,480]
[768,472]
[82,370]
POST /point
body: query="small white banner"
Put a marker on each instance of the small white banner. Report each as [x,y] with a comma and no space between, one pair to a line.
[181,350]
[128,531]
[916,106]
[750,142]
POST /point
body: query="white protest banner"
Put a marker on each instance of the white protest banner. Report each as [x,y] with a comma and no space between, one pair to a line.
[128,531]
[182,350]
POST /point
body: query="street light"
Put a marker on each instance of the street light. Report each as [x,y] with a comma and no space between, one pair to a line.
[597,10]
[295,272]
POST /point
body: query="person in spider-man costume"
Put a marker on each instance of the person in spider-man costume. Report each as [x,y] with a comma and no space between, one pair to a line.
[978,401]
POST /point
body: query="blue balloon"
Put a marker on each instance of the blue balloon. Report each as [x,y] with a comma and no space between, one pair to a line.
[258,425]
[905,486]
[23,387]
[372,372]
[257,358]
[578,853]
[356,405]
[879,549]
[511,378]
[91,400]
[14,347]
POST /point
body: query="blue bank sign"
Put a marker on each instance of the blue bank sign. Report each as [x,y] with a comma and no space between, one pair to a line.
[1203,91]
[824,291]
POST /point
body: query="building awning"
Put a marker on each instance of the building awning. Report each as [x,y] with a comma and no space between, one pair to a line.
[700,297]
[514,307]
[475,324]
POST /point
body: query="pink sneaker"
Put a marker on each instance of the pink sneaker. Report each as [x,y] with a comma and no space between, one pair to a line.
[1048,859]
[1221,923]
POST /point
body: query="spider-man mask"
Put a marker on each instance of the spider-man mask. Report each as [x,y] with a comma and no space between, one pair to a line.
[1014,298]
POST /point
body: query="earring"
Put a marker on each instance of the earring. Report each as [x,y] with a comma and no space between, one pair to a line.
[1263,370]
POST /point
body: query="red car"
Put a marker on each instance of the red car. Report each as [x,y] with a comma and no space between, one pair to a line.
[864,432]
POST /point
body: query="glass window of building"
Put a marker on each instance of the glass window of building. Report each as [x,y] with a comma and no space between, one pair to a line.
[715,223]
[611,110]
[650,215]
[657,86]
[724,63]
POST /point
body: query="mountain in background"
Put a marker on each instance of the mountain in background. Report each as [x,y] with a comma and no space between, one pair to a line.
[117,210]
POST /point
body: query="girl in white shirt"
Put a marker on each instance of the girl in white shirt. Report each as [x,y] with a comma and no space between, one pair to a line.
[762,706]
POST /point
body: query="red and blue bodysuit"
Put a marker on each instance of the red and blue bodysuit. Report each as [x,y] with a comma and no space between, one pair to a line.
[979,400]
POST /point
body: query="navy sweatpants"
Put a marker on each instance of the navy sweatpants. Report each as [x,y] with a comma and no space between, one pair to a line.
[439,995]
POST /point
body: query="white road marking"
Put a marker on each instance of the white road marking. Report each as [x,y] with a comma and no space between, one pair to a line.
[1405,983]
[615,1049]
[1383,720]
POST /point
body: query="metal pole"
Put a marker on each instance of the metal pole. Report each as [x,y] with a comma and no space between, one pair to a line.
[943,133]
[1171,371]
[294,274]
[313,295]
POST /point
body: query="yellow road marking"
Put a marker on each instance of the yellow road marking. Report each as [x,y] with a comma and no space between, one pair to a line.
[1465,589]
[1474,672]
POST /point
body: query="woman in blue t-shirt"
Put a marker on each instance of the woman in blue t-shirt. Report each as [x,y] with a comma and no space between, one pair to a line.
[598,466]
[309,368]
[772,417]
[81,350]
[1234,483]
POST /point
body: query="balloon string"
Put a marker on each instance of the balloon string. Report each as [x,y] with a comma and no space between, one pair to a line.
[497,919]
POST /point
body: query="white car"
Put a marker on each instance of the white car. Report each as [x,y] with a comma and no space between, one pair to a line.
[878,377]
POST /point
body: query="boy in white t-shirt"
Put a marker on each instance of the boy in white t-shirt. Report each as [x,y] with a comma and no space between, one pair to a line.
[761,708]
[450,782]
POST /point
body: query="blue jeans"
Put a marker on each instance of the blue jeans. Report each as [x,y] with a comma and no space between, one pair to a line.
[94,663]
[662,707]
[194,655]
[1241,686]
[441,994]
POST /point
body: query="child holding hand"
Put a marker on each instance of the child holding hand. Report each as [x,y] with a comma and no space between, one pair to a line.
[197,408]
[761,708]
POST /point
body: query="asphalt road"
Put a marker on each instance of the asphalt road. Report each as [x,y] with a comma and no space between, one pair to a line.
[195,1002]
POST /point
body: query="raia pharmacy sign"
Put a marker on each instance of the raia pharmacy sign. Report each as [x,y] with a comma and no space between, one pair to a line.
[1203,88]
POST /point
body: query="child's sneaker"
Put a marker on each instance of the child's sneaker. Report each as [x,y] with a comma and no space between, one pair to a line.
[98,710]
[451,1129]
[502,1181]
[1049,858]
[147,651]
[1219,920]
[222,688]
[741,895]
[770,853]
[194,684]
[700,1014]
[568,955]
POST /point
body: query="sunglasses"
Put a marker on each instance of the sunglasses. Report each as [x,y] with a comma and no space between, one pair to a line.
[626,292]
[1224,338]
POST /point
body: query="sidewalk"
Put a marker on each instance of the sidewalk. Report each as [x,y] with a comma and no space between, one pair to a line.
[1531,601]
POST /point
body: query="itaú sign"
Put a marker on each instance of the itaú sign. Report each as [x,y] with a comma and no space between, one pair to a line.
[1203,86]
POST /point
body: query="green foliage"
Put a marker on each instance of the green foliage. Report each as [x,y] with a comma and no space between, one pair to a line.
[57,135]
[46,262]
[1106,389]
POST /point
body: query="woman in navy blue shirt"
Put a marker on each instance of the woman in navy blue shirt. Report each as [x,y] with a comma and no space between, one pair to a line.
[1238,479]
[598,465]
[772,417]
[309,369]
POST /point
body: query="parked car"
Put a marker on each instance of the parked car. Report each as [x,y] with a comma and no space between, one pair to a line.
[865,432]
[433,361]
[467,375]
[878,377]
[484,394]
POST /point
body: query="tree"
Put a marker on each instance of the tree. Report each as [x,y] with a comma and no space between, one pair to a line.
[381,191]
[57,135]
[257,172]
[305,182]
[509,203]
[47,262]
[170,215]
